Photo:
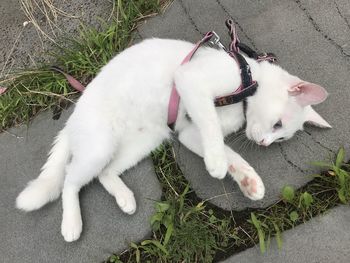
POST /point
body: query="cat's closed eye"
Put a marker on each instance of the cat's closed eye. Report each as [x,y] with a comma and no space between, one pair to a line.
[277,125]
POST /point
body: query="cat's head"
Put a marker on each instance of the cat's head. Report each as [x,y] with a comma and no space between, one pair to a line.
[281,105]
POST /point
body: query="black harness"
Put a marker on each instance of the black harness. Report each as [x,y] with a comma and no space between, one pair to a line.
[248,86]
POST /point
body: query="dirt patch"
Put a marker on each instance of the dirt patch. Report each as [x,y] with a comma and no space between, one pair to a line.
[22,47]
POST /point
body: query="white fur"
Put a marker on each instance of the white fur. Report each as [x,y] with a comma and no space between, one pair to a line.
[122,117]
[48,186]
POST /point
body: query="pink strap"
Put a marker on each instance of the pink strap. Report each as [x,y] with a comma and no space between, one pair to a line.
[233,34]
[174,100]
[72,81]
[2,90]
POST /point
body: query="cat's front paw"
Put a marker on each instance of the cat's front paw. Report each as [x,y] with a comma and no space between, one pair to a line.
[126,201]
[71,227]
[248,181]
[216,165]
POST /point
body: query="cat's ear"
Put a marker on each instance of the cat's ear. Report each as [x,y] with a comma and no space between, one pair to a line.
[307,93]
[312,117]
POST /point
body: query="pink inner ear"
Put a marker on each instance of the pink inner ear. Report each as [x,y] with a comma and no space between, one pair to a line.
[307,93]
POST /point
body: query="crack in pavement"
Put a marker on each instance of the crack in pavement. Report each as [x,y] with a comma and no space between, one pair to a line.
[319,143]
[190,18]
[285,157]
[318,29]
[239,25]
[299,139]
[340,14]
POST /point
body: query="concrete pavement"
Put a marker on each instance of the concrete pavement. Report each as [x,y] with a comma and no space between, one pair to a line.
[311,39]
[322,240]
[306,46]
[36,236]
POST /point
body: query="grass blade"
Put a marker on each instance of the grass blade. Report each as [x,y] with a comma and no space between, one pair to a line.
[340,157]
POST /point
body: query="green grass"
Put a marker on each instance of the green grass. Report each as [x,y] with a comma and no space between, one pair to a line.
[186,229]
[325,191]
[34,90]
[183,229]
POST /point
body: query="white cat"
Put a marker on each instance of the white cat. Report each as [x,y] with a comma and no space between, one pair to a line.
[122,117]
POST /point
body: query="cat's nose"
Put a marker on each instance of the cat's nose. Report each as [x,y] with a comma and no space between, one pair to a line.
[263,142]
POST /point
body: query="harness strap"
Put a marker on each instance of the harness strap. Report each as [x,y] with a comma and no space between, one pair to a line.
[271,57]
[236,97]
[236,45]
[233,34]
[248,86]
[246,74]
[174,100]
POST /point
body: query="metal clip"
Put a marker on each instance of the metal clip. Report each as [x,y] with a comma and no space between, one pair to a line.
[215,41]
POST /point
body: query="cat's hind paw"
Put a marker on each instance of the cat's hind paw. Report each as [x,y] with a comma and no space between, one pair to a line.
[71,228]
[126,201]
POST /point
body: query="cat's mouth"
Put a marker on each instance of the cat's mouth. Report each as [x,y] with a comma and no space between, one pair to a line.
[280,139]
[263,142]
[266,143]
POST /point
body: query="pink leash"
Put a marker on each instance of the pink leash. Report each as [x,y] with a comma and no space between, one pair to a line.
[2,90]
[71,80]
[174,96]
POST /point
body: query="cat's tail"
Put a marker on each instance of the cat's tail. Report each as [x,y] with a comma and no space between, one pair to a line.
[48,186]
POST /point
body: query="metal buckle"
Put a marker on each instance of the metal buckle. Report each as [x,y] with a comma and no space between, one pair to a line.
[262,55]
[215,41]
[267,56]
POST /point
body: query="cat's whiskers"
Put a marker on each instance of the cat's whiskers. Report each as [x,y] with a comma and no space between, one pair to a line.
[251,145]
[244,146]
[236,140]
[236,137]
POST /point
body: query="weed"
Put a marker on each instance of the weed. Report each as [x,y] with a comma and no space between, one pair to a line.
[32,91]
[38,10]
[185,229]
[297,206]
[337,170]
